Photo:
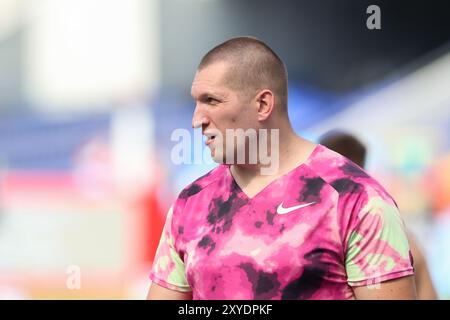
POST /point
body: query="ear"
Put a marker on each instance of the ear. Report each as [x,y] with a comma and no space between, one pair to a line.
[265,101]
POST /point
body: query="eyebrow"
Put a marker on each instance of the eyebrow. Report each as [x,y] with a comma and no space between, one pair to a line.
[206,95]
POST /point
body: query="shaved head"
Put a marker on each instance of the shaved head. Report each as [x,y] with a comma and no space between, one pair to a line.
[253,66]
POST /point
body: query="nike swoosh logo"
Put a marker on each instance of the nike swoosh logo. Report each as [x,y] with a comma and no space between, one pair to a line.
[281,210]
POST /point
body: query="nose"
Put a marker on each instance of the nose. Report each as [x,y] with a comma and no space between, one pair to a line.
[199,118]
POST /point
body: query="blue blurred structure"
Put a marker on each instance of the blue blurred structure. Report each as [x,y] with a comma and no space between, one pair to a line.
[35,142]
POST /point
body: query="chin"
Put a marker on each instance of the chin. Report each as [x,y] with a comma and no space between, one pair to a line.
[217,157]
[219,160]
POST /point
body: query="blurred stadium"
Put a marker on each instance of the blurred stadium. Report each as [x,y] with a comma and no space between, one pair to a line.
[90,92]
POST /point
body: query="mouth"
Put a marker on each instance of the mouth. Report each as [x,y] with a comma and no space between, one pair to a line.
[210,140]
[211,134]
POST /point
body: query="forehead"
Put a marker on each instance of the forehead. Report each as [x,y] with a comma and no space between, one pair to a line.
[210,80]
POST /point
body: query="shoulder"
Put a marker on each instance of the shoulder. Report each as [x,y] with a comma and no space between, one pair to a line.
[202,183]
[357,192]
[346,177]
[189,196]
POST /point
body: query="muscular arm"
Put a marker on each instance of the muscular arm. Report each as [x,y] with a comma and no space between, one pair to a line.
[397,289]
[156,292]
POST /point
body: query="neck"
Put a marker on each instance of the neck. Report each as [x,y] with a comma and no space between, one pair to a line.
[293,151]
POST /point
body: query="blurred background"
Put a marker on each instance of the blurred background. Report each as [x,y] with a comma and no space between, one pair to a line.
[91,91]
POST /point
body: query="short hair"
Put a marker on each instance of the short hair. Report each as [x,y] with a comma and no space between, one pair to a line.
[345,144]
[253,66]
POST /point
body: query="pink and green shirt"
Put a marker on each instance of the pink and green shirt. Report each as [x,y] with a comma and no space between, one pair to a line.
[314,233]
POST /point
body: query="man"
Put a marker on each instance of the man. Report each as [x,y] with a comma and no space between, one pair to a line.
[353,149]
[318,227]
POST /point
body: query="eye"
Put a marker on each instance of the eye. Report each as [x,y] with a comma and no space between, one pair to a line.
[211,100]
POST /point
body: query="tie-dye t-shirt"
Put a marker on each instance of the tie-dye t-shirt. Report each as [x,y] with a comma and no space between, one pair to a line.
[311,234]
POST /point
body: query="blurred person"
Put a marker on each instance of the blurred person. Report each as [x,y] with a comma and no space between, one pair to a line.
[350,147]
[318,227]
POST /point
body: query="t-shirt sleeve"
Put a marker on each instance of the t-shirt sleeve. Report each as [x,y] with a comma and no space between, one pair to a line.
[377,248]
[168,268]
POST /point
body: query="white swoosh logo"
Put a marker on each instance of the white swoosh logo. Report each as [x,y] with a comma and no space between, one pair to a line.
[281,210]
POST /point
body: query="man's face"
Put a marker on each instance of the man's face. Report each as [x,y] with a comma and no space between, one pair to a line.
[219,108]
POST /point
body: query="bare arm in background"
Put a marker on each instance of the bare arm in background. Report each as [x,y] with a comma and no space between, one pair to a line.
[424,285]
